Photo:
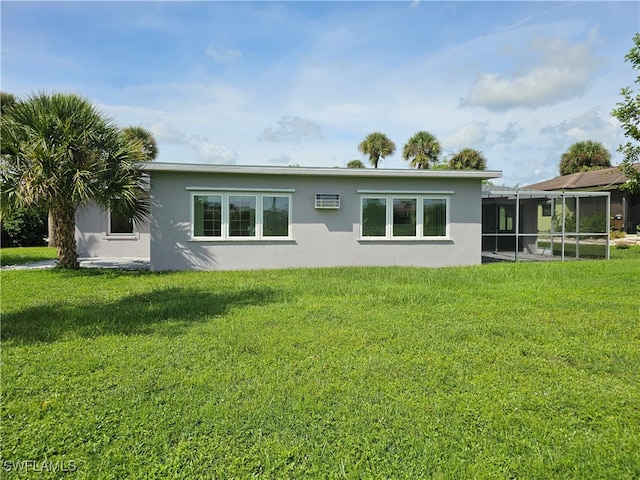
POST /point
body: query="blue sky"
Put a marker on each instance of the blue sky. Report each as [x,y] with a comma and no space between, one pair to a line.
[281,83]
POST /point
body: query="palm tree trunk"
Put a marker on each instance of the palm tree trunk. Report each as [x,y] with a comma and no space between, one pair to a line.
[51,231]
[64,222]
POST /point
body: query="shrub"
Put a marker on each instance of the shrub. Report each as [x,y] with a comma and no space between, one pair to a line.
[25,227]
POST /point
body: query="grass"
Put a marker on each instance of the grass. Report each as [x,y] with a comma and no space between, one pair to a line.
[497,371]
[20,255]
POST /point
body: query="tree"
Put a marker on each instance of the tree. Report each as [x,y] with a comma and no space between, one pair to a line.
[148,143]
[59,152]
[7,101]
[468,159]
[377,145]
[355,164]
[422,150]
[628,112]
[584,156]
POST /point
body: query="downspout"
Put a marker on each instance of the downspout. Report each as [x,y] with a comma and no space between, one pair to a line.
[563,232]
[517,221]
[577,227]
[608,225]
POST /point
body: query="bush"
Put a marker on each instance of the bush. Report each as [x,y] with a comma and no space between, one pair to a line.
[596,223]
[25,227]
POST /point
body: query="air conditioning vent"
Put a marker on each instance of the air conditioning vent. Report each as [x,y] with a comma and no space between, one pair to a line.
[328,200]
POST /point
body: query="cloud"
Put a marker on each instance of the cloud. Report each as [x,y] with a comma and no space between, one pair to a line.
[472,134]
[594,124]
[223,57]
[509,134]
[163,132]
[563,71]
[211,152]
[292,129]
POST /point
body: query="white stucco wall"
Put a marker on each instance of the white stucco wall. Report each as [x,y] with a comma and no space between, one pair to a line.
[93,240]
[320,238]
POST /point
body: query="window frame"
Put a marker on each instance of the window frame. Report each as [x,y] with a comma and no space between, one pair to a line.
[225,233]
[419,199]
[131,234]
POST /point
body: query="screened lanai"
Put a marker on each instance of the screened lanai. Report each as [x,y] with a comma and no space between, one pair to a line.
[529,225]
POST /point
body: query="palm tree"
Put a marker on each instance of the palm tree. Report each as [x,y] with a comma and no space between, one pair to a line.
[422,150]
[377,145]
[7,100]
[148,143]
[468,159]
[355,164]
[583,156]
[60,152]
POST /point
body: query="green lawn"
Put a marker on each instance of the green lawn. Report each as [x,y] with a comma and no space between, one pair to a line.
[497,371]
[20,255]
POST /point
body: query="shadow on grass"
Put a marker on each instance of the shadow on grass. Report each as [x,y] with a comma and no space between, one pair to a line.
[167,311]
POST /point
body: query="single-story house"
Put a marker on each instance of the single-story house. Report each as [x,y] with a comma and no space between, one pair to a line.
[222,217]
[624,206]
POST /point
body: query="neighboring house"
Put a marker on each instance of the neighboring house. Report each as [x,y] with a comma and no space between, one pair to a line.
[214,217]
[624,206]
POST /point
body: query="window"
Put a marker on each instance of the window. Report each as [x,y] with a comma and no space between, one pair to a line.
[374,217]
[275,216]
[410,217]
[207,216]
[434,217]
[120,224]
[236,216]
[404,217]
[242,216]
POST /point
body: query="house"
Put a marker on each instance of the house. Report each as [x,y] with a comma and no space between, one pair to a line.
[624,206]
[221,217]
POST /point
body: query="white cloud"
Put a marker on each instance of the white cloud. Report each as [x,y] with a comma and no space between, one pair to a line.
[210,152]
[163,132]
[563,71]
[223,57]
[470,135]
[595,124]
[292,129]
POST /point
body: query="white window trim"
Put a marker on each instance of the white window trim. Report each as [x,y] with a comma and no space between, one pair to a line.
[419,217]
[224,233]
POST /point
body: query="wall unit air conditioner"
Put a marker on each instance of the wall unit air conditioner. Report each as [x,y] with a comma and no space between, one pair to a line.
[328,200]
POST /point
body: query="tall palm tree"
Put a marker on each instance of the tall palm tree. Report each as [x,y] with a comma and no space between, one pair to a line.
[422,150]
[583,156]
[147,141]
[468,159]
[60,153]
[377,145]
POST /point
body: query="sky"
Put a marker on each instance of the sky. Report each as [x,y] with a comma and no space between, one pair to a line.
[302,83]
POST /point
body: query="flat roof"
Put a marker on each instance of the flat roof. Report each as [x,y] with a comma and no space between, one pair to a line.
[317,171]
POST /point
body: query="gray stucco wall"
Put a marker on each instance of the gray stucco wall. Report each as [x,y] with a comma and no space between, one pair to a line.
[320,238]
[93,241]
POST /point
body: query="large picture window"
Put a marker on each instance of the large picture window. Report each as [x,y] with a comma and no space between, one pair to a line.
[405,217]
[237,216]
